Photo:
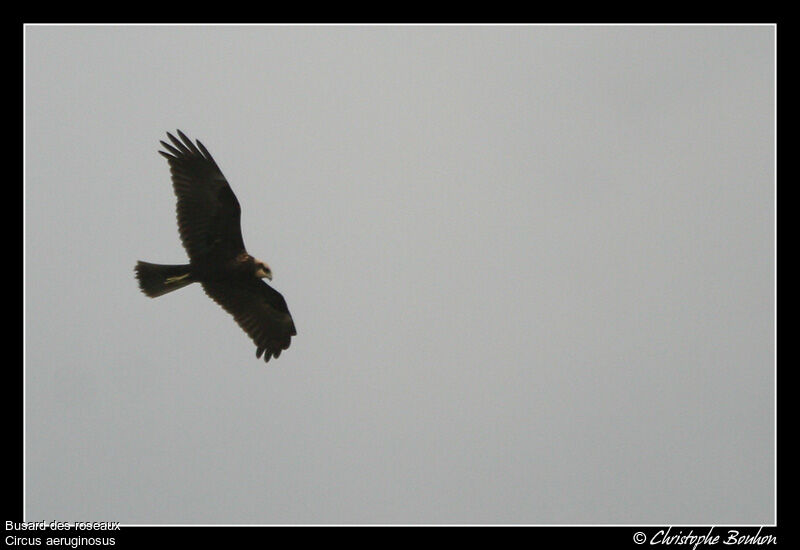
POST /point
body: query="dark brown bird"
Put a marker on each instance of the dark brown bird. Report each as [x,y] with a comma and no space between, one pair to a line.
[209,224]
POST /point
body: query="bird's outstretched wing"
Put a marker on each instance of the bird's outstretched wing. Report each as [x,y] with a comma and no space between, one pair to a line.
[259,309]
[208,212]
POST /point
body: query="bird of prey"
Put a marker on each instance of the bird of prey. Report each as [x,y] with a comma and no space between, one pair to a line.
[210,230]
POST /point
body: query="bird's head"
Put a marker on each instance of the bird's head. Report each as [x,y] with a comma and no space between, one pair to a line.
[263,270]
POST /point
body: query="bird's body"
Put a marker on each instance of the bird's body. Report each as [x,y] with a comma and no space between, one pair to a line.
[209,225]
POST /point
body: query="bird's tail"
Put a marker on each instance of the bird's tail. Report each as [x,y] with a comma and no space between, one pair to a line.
[156,279]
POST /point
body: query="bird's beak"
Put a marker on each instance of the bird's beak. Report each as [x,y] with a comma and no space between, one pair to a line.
[263,270]
[264,273]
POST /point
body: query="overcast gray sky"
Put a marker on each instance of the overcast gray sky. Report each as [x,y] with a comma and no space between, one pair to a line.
[531,269]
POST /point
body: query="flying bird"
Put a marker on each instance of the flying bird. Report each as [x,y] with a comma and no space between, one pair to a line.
[209,225]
